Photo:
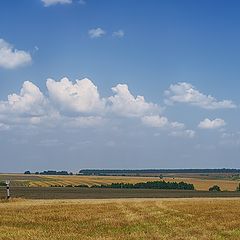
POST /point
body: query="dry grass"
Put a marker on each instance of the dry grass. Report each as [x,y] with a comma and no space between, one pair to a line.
[205,184]
[120,219]
[200,184]
[89,180]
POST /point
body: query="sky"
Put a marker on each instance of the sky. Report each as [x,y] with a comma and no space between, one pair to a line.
[119,84]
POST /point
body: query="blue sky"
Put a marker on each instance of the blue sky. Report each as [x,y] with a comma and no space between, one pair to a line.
[158,84]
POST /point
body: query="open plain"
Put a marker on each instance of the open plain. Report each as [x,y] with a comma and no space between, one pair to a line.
[175,219]
[201,183]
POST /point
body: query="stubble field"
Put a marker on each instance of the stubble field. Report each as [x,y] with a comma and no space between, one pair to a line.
[186,219]
[200,183]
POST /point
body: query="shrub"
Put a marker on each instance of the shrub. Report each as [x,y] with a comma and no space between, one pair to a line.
[215,188]
[82,186]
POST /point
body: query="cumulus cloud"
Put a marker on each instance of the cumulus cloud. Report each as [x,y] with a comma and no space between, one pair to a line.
[119,34]
[155,121]
[79,104]
[83,97]
[79,97]
[176,129]
[30,106]
[30,101]
[125,104]
[12,58]
[212,124]
[96,33]
[158,121]
[186,93]
[74,103]
[48,3]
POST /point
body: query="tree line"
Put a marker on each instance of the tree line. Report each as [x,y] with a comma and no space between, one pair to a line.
[149,185]
[103,172]
[50,172]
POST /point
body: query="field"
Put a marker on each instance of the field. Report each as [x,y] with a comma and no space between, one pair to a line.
[97,193]
[37,211]
[200,182]
[186,219]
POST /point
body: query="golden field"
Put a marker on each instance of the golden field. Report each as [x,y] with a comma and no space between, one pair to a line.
[186,219]
[200,184]
[47,181]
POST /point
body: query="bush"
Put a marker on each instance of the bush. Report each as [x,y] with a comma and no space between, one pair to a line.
[215,188]
[82,186]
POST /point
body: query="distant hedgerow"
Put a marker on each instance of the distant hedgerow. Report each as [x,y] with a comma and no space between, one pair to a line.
[150,185]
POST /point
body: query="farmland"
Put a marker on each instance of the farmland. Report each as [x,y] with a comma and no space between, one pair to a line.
[98,193]
[187,219]
[200,182]
[38,210]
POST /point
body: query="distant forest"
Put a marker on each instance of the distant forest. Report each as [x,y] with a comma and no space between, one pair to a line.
[123,172]
[50,172]
[137,172]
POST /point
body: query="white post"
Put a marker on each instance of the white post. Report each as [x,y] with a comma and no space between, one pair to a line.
[8,189]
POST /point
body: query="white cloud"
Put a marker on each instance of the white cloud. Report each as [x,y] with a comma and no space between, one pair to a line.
[28,107]
[212,124]
[118,34]
[48,3]
[186,93]
[161,122]
[79,104]
[72,103]
[79,97]
[12,58]
[96,32]
[29,102]
[176,129]
[155,121]
[125,104]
